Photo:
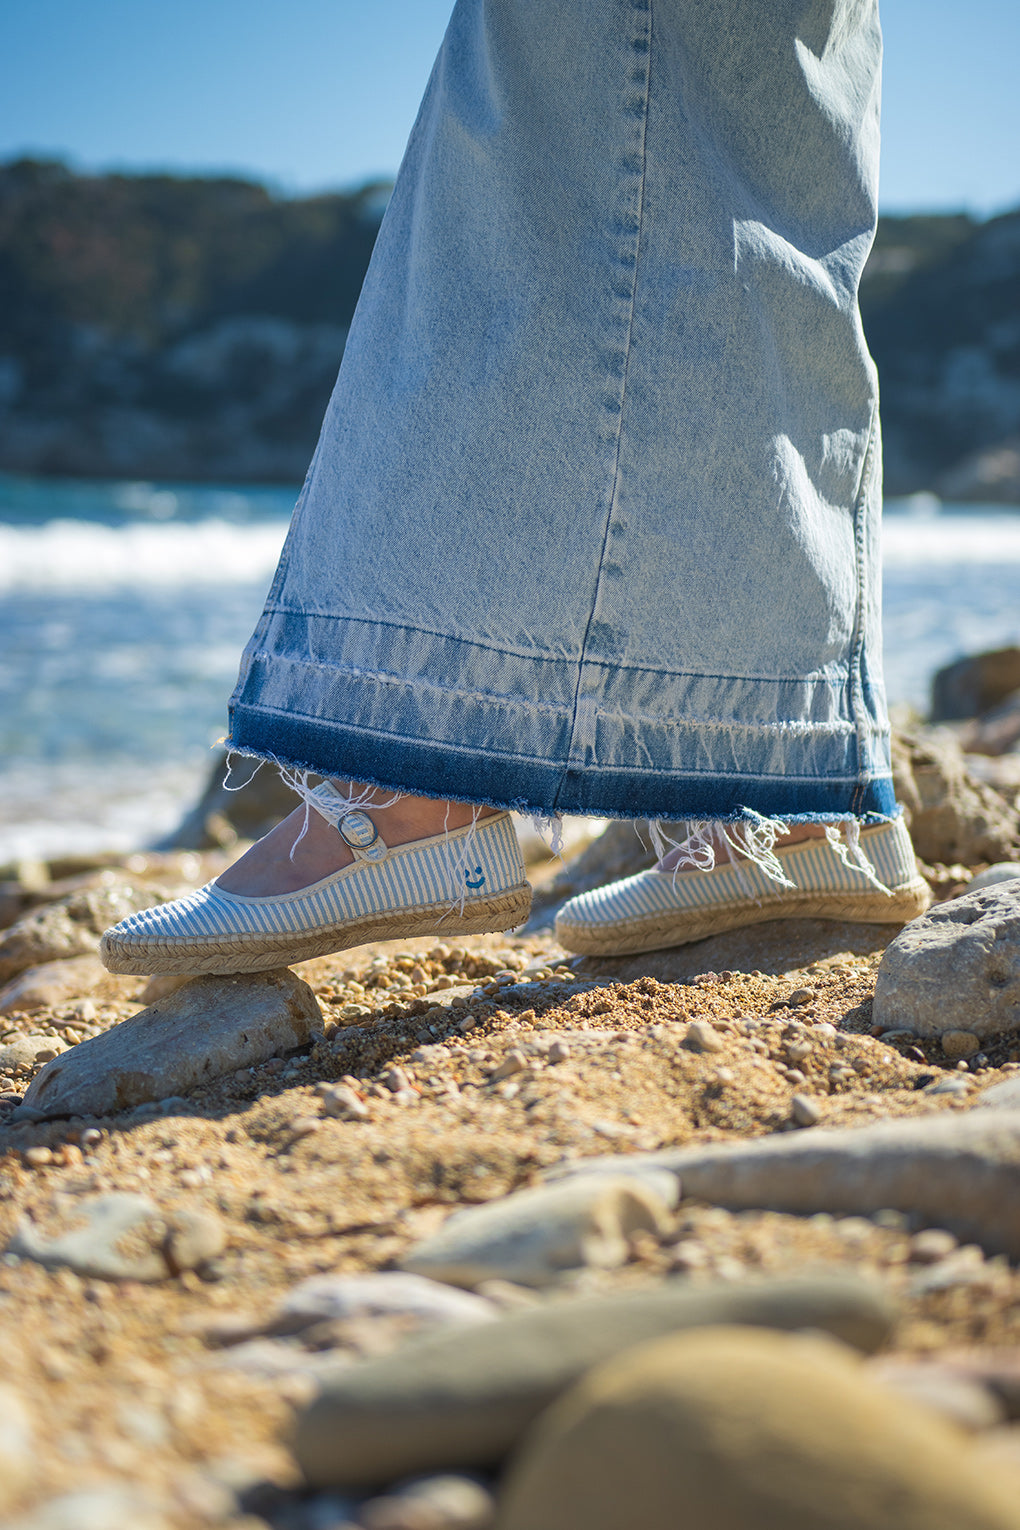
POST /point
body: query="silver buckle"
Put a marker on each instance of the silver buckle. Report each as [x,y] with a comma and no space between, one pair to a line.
[357,830]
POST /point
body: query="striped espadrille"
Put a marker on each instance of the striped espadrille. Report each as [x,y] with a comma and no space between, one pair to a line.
[656,909]
[461,883]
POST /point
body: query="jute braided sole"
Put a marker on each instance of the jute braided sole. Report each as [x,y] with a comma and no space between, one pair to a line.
[657,932]
[197,957]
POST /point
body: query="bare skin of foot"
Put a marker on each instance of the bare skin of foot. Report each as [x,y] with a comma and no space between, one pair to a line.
[269,868]
[797,834]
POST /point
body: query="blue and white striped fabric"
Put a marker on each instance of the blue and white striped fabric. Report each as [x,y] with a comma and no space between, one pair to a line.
[812,866]
[479,862]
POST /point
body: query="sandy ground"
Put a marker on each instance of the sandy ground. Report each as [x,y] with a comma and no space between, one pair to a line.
[146,1384]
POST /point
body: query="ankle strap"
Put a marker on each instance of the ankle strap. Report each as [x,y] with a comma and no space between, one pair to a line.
[353,825]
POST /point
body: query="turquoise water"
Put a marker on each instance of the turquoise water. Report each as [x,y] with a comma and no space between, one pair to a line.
[124,607]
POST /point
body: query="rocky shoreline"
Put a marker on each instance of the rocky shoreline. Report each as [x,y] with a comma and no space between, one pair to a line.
[438,1235]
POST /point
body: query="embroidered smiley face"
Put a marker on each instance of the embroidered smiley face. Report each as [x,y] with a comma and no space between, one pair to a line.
[479,874]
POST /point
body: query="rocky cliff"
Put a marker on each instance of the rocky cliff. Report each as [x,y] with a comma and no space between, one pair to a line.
[160,327]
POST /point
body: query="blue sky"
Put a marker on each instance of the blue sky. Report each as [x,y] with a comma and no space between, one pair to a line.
[312,94]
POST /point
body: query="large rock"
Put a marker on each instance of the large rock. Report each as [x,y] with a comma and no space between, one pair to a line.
[726,1430]
[463,1398]
[953,817]
[534,1236]
[212,1026]
[974,685]
[72,926]
[958,1171]
[955,968]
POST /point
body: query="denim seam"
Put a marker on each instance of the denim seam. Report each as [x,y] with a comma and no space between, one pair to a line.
[720,724]
[856,686]
[841,675]
[644,6]
[502,754]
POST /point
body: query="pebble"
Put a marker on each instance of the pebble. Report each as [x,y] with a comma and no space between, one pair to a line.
[396,1080]
[931,1245]
[702,1037]
[514,1062]
[558,1052]
[960,1043]
[462,1399]
[805,1110]
[742,1429]
[800,996]
[92,1250]
[197,1238]
[344,1104]
[431,1503]
[534,1235]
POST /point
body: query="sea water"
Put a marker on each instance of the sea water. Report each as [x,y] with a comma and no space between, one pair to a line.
[124,608]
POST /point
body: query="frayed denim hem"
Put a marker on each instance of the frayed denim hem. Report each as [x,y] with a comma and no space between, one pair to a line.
[550,791]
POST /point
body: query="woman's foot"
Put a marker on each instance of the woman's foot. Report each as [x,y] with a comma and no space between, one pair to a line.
[305,847]
[653,911]
[348,886]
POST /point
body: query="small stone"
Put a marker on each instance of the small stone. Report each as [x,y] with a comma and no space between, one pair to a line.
[953,1084]
[805,1111]
[688,1256]
[431,1503]
[800,996]
[931,1245]
[558,1052]
[514,1062]
[960,1043]
[92,1250]
[342,1103]
[196,1239]
[533,1236]
[38,1157]
[395,1080]
[702,1037]
[24,1051]
[798,1051]
[303,1126]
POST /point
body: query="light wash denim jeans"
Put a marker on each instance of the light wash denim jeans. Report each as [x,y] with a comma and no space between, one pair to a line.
[592,525]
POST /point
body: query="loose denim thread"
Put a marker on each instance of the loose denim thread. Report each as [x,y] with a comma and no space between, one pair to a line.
[754,841]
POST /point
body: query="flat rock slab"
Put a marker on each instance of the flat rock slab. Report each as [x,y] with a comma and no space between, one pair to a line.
[463,1398]
[781,945]
[956,968]
[212,1026]
[532,1237]
[960,1172]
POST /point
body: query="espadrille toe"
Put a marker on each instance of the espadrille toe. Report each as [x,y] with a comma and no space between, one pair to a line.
[466,882]
[655,910]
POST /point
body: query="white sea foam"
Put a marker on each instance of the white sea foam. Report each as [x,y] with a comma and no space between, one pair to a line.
[88,558]
[909,540]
